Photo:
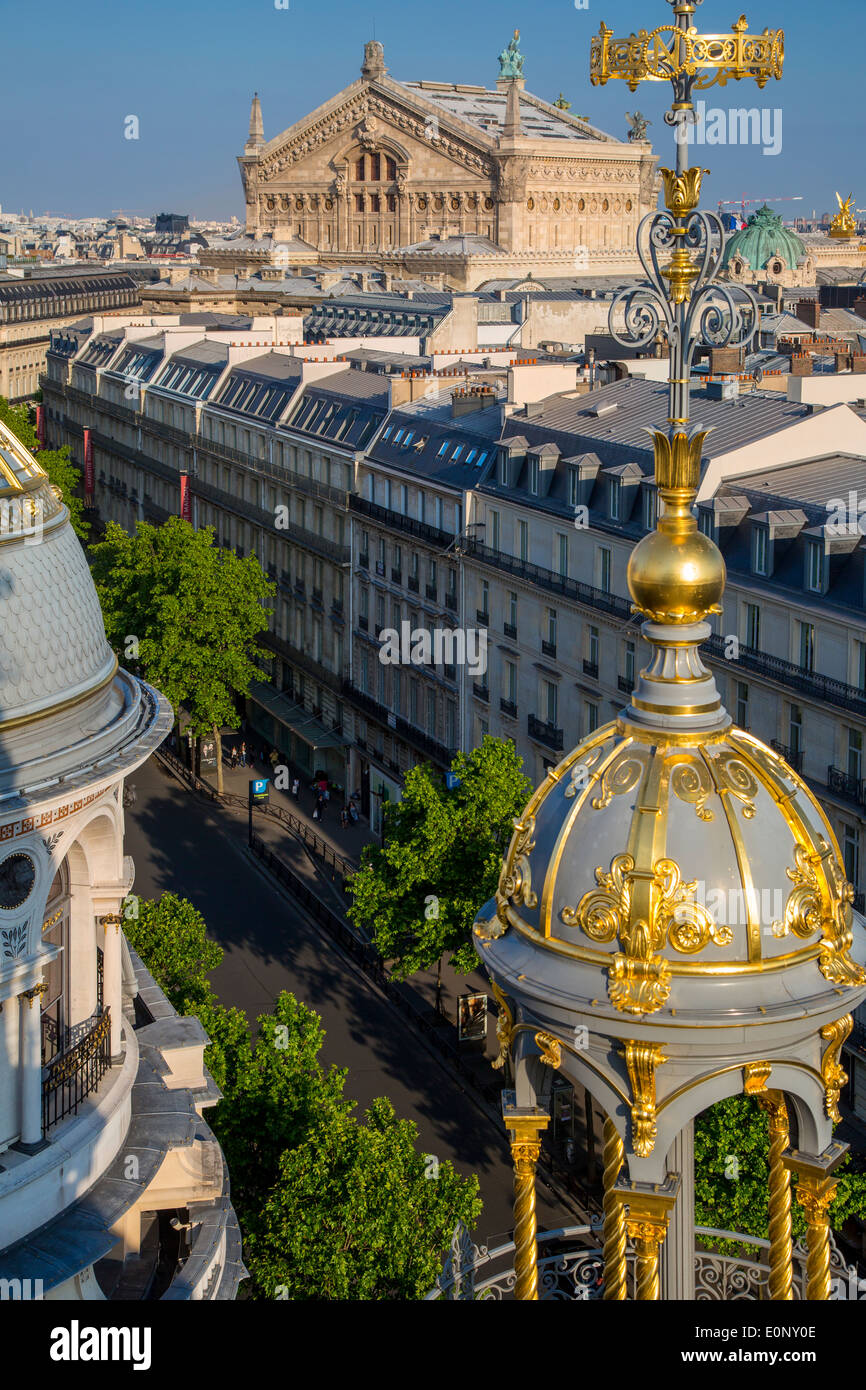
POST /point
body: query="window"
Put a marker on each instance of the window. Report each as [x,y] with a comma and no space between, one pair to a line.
[494,530]
[562,555]
[443,448]
[503,469]
[807,646]
[705,522]
[573,487]
[451,725]
[855,754]
[533,475]
[484,604]
[509,684]
[614,498]
[591,717]
[851,854]
[753,626]
[413,702]
[523,540]
[860,664]
[550,701]
[815,567]
[742,705]
[628,663]
[359,202]
[651,509]
[551,630]
[760,550]
[396,692]
[380,612]
[604,569]
[795,729]
[592,646]
[512,611]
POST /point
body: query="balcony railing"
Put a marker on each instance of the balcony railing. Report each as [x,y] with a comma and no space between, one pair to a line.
[73,1073]
[824,688]
[482,617]
[413,583]
[508,707]
[590,668]
[793,757]
[844,784]
[548,648]
[625,684]
[482,692]
[423,743]
[510,630]
[420,529]
[574,589]
[545,733]
[432,592]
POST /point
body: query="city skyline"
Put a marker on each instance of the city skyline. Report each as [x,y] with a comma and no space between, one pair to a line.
[96,169]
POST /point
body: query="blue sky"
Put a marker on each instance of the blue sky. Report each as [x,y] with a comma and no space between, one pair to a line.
[187,70]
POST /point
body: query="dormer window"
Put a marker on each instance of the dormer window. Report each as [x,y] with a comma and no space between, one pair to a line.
[815,567]
[573,487]
[761,551]
[614,498]
[503,469]
[650,508]
[533,476]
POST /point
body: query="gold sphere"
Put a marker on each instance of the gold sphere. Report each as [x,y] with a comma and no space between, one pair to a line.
[676,578]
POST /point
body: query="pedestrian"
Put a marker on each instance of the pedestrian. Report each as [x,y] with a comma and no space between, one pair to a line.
[243,755]
[353,813]
[296,786]
[274,759]
[344,819]
[234,759]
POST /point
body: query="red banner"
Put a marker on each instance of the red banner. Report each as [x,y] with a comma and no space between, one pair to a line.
[185,503]
[88,465]
[40,425]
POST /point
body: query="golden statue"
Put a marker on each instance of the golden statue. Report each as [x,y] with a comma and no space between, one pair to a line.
[844,224]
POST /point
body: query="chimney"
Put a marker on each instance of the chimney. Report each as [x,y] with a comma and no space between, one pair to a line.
[470,400]
[809,311]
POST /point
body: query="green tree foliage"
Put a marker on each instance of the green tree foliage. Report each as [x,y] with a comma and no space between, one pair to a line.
[732,1173]
[331,1206]
[188,611]
[56,462]
[441,859]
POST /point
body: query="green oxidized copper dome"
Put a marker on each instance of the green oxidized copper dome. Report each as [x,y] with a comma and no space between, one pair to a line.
[763,238]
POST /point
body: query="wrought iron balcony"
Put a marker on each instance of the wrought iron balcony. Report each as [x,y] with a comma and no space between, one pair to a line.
[364,560]
[844,784]
[413,583]
[508,707]
[482,692]
[482,617]
[546,733]
[626,684]
[432,592]
[510,630]
[548,648]
[423,743]
[76,1070]
[396,576]
[397,521]
[793,757]
[590,668]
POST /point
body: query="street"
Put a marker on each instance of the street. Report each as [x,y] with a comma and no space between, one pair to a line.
[181,844]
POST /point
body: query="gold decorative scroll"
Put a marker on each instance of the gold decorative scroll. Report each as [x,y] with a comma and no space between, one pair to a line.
[835,1076]
[515,884]
[822,901]
[504,1026]
[755,1077]
[641,1059]
[551,1049]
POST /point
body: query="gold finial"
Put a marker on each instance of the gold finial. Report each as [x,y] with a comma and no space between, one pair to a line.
[844,224]
[682,190]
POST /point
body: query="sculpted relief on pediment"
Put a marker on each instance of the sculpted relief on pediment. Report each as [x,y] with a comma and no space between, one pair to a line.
[370,120]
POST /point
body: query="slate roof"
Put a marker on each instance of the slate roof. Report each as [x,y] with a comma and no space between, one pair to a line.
[485,109]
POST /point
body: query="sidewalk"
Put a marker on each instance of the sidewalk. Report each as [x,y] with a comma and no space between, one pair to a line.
[348,842]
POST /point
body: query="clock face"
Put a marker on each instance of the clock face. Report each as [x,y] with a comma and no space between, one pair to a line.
[17,877]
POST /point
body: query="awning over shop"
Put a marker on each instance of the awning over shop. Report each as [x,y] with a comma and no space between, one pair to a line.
[293,716]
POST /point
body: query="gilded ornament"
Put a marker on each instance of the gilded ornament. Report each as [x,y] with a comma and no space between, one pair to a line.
[551,1049]
[617,779]
[516,881]
[504,1026]
[755,1077]
[641,1060]
[580,773]
[834,1075]
[690,782]
[682,191]
[669,52]
[638,986]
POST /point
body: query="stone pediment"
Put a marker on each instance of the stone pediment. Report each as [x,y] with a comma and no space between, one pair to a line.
[372,114]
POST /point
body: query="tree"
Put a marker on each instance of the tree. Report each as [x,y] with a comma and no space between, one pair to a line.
[189,612]
[56,462]
[442,855]
[331,1206]
[170,935]
[732,1173]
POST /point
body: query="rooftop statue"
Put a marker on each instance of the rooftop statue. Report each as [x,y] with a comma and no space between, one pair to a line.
[637,126]
[844,224]
[511,59]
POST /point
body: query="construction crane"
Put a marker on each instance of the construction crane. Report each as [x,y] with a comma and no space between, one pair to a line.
[743,203]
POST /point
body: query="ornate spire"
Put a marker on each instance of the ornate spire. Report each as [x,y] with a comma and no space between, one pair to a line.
[256,137]
[676,575]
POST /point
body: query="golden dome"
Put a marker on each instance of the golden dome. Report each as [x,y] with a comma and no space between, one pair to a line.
[657,857]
